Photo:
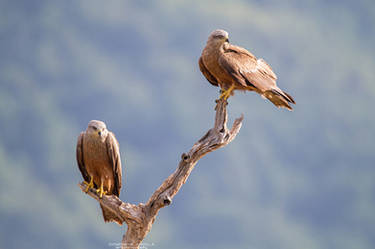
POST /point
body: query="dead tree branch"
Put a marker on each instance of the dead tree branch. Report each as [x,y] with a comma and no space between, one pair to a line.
[140,218]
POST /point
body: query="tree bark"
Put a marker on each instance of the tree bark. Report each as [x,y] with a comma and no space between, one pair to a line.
[139,218]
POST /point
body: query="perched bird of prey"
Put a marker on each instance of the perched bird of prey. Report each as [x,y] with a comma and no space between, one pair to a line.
[98,158]
[234,68]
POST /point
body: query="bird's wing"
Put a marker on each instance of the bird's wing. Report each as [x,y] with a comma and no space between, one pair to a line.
[246,69]
[207,73]
[113,151]
[79,156]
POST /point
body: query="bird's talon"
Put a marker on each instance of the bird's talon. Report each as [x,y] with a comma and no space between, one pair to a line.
[226,93]
[89,185]
[101,191]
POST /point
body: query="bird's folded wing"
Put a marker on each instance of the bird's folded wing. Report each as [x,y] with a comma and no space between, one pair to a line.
[207,73]
[113,150]
[79,156]
[246,69]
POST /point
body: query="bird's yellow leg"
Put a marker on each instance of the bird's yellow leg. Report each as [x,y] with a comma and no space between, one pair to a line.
[226,94]
[101,191]
[89,184]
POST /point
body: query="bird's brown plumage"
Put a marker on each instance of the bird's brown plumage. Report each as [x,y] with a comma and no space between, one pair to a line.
[98,158]
[227,65]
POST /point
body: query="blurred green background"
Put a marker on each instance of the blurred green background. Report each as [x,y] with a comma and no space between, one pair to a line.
[290,180]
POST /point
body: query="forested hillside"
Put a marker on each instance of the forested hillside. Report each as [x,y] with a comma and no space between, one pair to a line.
[290,180]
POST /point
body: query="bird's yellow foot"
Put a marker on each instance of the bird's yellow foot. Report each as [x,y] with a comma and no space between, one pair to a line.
[101,191]
[89,184]
[226,93]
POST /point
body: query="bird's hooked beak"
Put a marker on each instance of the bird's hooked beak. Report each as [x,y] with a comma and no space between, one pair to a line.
[227,40]
[101,132]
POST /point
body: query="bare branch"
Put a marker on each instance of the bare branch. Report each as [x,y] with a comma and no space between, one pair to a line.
[140,218]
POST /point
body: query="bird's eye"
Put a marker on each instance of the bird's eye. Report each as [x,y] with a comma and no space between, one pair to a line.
[94,128]
[220,37]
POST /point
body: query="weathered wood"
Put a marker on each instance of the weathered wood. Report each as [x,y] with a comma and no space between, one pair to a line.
[139,218]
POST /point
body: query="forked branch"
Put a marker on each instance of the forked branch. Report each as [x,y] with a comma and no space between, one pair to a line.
[140,218]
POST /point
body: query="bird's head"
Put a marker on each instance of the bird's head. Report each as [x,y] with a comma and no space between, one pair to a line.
[97,128]
[218,37]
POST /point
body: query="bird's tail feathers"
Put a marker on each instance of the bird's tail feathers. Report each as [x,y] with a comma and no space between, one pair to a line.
[108,215]
[279,98]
